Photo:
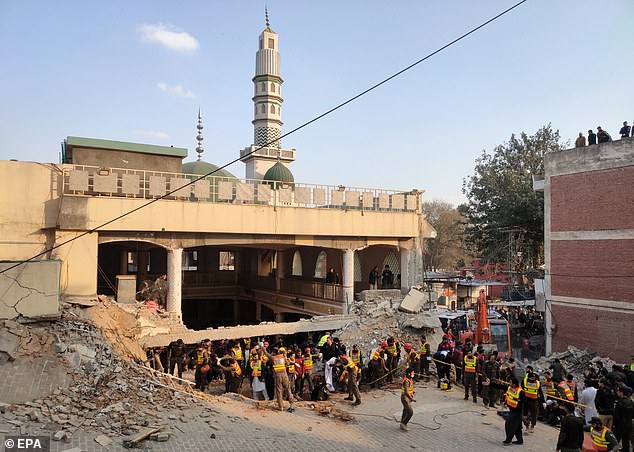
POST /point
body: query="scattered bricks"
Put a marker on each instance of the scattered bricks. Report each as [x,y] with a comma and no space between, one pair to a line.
[103,440]
[59,435]
[160,436]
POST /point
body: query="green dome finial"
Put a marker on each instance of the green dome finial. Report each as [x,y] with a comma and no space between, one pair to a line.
[279,173]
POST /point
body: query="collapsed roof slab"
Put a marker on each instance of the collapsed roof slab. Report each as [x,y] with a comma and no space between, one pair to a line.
[319,323]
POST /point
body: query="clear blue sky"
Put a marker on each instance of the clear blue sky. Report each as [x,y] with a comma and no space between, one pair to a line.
[137,71]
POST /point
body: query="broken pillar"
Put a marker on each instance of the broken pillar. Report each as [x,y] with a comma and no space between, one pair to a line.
[174,280]
[404,270]
[348,279]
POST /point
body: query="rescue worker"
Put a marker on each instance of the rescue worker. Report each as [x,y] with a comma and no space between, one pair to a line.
[177,357]
[564,390]
[233,374]
[202,368]
[532,397]
[351,374]
[407,397]
[291,370]
[393,351]
[236,353]
[257,384]
[622,417]
[549,384]
[307,370]
[377,367]
[570,381]
[413,360]
[282,385]
[425,355]
[513,423]
[470,382]
[602,438]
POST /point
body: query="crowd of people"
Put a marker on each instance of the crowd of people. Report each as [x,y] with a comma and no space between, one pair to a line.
[312,370]
[602,136]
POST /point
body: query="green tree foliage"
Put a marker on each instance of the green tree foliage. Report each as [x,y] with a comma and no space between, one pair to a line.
[501,197]
[448,250]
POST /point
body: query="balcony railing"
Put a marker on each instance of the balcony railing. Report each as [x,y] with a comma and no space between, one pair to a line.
[129,183]
[315,289]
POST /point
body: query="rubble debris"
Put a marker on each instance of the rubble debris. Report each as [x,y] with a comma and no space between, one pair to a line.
[574,360]
[413,301]
[133,440]
[103,440]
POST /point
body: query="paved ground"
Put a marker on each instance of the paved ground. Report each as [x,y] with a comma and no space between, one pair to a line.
[25,380]
[442,422]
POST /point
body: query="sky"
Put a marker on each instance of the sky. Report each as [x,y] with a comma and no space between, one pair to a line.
[138,71]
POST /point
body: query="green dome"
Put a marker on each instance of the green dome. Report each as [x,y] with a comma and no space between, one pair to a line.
[200,168]
[280,173]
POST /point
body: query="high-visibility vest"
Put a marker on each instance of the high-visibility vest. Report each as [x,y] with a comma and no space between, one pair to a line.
[573,386]
[279,364]
[377,354]
[599,438]
[256,368]
[391,349]
[531,389]
[564,387]
[550,388]
[632,367]
[356,356]
[351,367]
[291,366]
[413,356]
[424,348]
[308,362]
[323,340]
[200,357]
[237,352]
[236,370]
[470,364]
[513,396]
[410,388]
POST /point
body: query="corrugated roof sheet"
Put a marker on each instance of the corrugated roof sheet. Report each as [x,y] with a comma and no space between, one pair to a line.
[125,146]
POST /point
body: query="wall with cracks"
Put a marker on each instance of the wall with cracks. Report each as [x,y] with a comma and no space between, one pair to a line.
[30,290]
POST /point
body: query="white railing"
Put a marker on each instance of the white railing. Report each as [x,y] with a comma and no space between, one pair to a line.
[82,180]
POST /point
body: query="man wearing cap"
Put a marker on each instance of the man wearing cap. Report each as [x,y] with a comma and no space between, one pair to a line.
[533,395]
[625,130]
[282,384]
[306,372]
[413,360]
[602,438]
[513,424]
[407,397]
[571,432]
[470,368]
[622,417]
[377,367]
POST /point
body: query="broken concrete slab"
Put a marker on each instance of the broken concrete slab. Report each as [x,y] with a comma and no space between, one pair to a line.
[103,440]
[8,343]
[413,301]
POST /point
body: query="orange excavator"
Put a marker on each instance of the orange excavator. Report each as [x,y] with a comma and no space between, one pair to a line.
[492,331]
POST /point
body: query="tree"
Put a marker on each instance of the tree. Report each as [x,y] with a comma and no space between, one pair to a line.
[448,249]
[502,206]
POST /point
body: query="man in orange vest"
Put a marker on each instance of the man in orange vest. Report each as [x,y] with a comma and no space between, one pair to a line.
[470,381]
[257,382]
[533,393]
[233,374]
[513,424]
[407,397]
[306,370]
[282,385]
[602,438]
[351,374]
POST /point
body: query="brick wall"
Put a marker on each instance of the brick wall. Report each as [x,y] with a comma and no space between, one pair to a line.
[594,200]
[592,266]
[605,332]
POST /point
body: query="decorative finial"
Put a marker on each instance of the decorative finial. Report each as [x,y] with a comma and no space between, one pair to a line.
[266,13]
[199,137]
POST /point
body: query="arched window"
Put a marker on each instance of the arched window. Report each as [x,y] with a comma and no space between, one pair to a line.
[263,87]
[297,264]
[273,109]
[357,268]
[321,266]
[263,108]
[272,86]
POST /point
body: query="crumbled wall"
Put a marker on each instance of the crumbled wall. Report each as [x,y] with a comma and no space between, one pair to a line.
[29,290]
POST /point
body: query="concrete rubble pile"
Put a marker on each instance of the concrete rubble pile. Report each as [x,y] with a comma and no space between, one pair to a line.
[379,316]
[575,361]
[108,393]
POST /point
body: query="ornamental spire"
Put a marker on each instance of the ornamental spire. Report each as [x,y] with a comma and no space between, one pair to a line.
[199,137]
[266,14]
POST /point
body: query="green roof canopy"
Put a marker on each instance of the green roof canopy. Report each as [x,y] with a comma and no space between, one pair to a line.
[201,168]
[125,146]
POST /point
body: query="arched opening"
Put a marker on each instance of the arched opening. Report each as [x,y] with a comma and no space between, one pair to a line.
[321,265]
[273,109]
[272,86]
[297,264]
[144,261]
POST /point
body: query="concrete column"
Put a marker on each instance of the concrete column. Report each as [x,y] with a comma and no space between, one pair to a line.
[404,270]
[548,326]
[123,265]
[279,271]
[258,311]
[174,280]
[236,312]
[279,317]
[348,279]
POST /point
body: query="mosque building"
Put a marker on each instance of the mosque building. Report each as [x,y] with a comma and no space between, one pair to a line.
[115,216]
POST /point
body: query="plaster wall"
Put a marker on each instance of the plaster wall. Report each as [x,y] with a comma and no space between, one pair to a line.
[30,290]
[125,159]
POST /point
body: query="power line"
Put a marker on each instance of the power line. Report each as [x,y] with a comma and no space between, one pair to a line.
[316,118]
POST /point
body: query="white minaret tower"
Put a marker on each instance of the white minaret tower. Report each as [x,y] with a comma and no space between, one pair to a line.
[267,103]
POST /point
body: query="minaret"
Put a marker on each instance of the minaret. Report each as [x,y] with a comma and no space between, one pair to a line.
[199,136]
[267,103]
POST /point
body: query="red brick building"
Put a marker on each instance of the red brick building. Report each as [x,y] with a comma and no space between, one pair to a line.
[589,248]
